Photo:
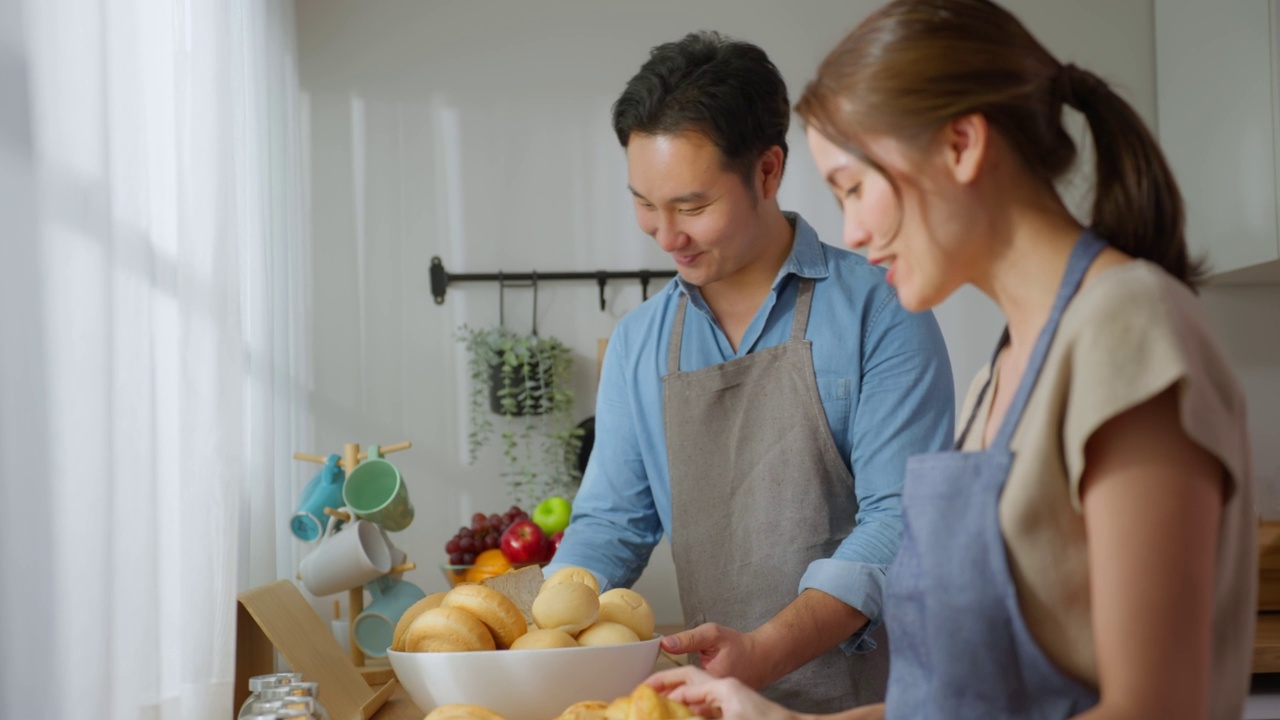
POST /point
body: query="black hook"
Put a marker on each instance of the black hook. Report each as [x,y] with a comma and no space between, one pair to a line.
[601,279]
[439,280]
[535,303]
[644,285]
[502,301]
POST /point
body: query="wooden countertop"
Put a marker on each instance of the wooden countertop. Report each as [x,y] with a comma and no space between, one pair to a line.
[1266,659]
[399,707]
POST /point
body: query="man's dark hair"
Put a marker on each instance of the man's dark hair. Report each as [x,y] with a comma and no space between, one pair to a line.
[726,89]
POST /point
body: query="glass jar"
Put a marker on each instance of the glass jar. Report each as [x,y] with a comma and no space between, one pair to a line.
[281,714]
[312,690]
[299,691]
[259,683]
[304,705]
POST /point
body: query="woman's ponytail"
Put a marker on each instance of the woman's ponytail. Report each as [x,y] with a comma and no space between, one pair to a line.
[1137,206]
[913,65]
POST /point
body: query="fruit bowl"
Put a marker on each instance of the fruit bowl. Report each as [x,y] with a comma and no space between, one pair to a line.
[525,684]
[457,574]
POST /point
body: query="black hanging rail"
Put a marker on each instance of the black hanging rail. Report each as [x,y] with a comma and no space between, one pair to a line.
[441,278]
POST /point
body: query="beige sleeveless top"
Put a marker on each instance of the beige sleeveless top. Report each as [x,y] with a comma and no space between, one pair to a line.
[1131,332]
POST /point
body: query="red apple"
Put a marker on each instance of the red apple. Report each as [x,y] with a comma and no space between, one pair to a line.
[524,542]
[554,543]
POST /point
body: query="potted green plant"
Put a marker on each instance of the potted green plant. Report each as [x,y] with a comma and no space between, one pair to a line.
[526,381]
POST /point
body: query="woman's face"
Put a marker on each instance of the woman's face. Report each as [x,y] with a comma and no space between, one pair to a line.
[897,233]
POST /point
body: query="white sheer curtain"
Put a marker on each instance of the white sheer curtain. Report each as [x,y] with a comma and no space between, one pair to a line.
[153,333]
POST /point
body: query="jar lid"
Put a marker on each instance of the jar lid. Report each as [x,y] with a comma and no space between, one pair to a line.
[261,682]
[309,689]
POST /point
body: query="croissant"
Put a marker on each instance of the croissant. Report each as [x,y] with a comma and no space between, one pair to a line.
[643,704]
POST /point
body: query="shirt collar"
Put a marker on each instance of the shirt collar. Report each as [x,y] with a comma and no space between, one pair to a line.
[807,258]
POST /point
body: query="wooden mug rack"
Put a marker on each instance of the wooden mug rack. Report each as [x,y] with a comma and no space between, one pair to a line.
[352,456]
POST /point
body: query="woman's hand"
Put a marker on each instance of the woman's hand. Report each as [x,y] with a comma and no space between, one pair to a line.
[712,697]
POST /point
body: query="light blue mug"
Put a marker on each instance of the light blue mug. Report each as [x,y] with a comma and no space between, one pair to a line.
[324,490]
[375,627]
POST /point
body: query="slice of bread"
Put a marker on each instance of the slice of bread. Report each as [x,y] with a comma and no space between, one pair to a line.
[520,586]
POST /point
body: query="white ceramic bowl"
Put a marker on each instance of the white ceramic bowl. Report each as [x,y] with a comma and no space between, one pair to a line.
[525,684]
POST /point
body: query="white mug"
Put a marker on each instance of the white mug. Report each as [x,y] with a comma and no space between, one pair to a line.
[346,558]
[398,556]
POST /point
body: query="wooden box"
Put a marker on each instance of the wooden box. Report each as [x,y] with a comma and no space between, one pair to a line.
[1269,566]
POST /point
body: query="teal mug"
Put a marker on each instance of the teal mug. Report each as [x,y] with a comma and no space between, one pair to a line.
[375,627]
[324,491]
[376,491]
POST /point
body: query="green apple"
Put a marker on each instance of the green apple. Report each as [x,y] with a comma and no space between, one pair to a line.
[552,515]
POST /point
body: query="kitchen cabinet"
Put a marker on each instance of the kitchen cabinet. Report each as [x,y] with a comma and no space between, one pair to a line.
[1216,96]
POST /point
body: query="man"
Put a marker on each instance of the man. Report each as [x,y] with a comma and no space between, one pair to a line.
[761,409]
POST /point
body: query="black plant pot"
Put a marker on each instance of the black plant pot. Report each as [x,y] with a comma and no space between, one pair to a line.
[518,379]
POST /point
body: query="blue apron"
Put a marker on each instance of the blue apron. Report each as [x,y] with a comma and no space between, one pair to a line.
[961,648]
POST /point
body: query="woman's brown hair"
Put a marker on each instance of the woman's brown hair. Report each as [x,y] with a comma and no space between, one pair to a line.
[913,65]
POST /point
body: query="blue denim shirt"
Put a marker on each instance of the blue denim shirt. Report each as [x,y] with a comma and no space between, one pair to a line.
[885,383]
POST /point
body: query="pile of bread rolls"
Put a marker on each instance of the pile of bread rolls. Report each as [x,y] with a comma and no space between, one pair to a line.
[568,611]
[642,704]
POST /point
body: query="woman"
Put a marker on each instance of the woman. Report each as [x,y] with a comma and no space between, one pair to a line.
[1087,550]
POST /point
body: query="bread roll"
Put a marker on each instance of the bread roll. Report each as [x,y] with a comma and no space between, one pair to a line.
[585,710]
[607,633]
[568,606]
[628,607]
[416,609]
[463,712]
[573,574]
[447,629]
[490,607]
[543,640]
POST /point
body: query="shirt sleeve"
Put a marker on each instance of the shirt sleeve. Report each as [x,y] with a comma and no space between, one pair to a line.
[906,406]
[1120,360]
[615,524]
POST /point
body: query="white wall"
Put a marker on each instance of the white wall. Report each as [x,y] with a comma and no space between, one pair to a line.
[1247,320]
[480,132]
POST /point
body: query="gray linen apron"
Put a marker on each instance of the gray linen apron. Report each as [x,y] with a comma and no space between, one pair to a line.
[758,491]
[961,648]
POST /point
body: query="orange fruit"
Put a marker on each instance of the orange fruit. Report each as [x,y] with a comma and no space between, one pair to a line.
[489,563]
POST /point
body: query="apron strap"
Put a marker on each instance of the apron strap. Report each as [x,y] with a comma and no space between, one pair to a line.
[799,323]
[804,300]
[1082,256]
[982,394]
[677,335]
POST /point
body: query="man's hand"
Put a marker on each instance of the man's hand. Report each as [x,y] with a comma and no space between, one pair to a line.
[811,625]
[724,652]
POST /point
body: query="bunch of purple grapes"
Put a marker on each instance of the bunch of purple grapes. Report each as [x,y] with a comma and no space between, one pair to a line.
[485,533]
